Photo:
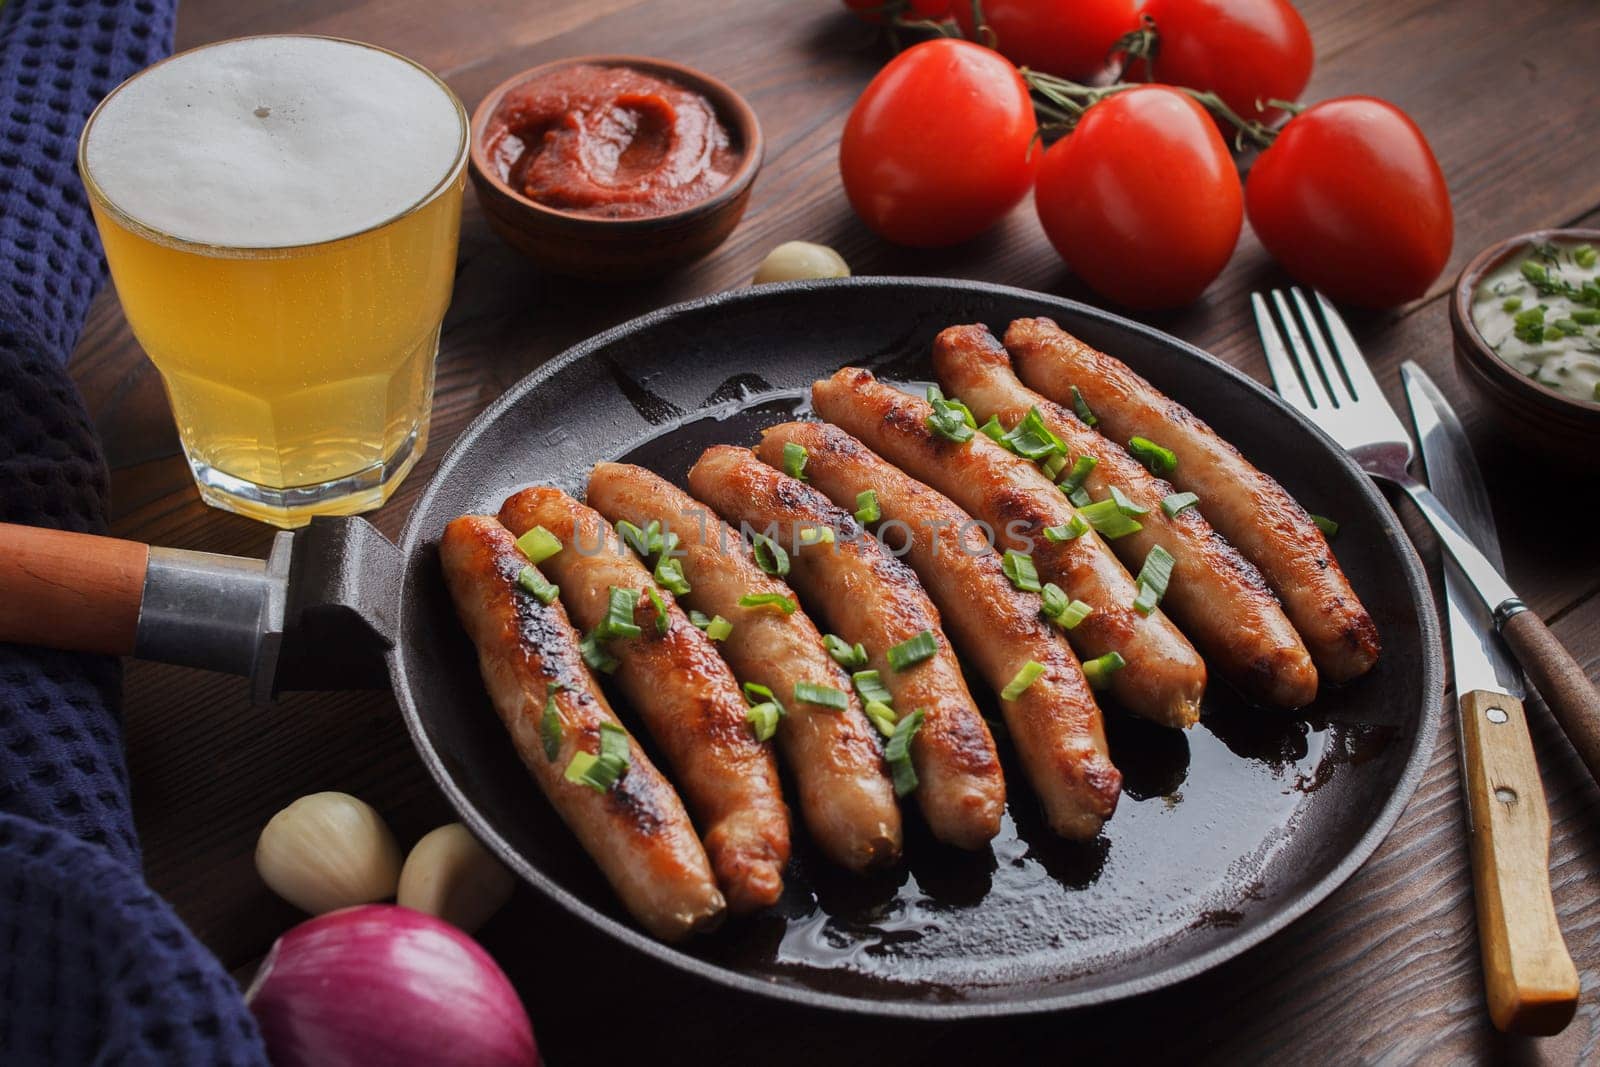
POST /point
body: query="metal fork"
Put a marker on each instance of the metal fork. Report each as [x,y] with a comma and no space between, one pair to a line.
[1318,368]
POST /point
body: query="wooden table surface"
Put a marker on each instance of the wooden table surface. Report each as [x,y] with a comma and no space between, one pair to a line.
[1508,92]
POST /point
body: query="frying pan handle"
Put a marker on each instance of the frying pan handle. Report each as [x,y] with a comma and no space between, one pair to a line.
[69,590]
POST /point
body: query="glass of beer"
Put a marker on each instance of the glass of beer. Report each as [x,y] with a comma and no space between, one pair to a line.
[280,216]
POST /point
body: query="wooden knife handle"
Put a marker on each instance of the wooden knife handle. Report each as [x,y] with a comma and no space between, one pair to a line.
[71,591]
[1532,984]
[1566,689]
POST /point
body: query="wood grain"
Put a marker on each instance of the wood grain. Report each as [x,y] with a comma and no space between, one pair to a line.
[1388,969]
[70,590]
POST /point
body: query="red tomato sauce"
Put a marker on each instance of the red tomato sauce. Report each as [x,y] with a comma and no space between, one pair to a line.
[611,142]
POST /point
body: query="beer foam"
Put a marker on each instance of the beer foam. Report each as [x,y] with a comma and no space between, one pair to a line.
[269,142]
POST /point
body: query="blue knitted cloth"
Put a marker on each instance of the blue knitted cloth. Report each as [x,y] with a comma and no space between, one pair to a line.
[94,967]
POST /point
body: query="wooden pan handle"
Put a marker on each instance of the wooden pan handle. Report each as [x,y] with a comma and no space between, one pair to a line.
[1567,691]
[71,591]
[1532,984]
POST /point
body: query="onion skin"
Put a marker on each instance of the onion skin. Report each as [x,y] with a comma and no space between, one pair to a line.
[381,984]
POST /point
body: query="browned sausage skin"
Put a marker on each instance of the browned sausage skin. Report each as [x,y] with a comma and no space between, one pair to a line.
[834,757]
[682,689]
[1216,596]
[865,595]
[637,832]
[1055,721]
[1250,508]
[1164,677]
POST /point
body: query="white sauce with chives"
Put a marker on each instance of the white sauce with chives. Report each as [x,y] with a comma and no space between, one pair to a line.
[1540,312]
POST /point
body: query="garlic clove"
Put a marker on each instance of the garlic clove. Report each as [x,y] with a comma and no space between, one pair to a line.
[451,875]
[794,260]
[328,851]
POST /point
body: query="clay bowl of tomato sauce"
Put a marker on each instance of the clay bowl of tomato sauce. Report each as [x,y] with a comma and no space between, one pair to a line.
[614,167]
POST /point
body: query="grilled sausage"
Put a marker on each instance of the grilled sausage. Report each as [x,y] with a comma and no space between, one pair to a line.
[1216,596]
[833,756]
[682,689]
[866,596]
[637,831]
[1250,508]
[1164,677]
[1055,721]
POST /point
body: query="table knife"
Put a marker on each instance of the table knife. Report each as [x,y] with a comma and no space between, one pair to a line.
[1531,982]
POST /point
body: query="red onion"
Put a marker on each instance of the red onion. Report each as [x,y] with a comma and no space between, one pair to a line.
[380,984]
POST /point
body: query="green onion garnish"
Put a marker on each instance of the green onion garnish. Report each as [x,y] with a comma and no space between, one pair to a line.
[1018,685]
[870,688]
[1511,303]
[1177,502]
[816,535]
[718,628]
[756,693]
[601,771]
[1329,528]
[1076,612]
[1067,531]
[538,544]
[1081,406]
[1060,609]
[1080,470]
[663,620]
[767,600]
[770,555]
[912,651]
[1033,439]
[1529,324]
[1584,256]
[1159,460]
[596,655]
[646,542]
[881,716]
[1126,506]
[669,575]
[1109,520]
[1018,566]
[1080,496]
[822,695]
[867,506]
[794,460]
[844,653]
[950,419]
[897,752]
[992,429]
[619,615]
[550,722]
[1153,579]
[529,580]
[1098,670]
[1587,316]
[763,720]
[1054,465]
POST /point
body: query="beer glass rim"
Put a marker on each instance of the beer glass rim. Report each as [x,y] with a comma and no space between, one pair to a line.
[131,222]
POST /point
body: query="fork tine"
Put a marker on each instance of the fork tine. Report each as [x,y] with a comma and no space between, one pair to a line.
[1279,362]
[1362,384]
[1306,362]
[1338,385]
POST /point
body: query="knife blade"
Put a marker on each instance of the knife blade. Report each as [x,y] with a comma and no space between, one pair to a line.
[1529,976]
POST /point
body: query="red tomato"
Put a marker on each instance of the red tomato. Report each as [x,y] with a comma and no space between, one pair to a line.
[1350,200]
[1070,38]
[1243,50]
[940,145]
[910,10]
[1142,199]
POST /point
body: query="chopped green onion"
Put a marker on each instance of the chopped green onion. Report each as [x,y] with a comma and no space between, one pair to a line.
[1329,528]
[619,615]
[897,752]
[1018,566]
[602,771]
[816,535]
[870,688]
[912,651]
[992,429]
[1568,327]
[1076,612]
[669,575]
[550,722]
[1587,316]
[646,542]
[1033,439]
[756,693]
[1098,670]
[1081,406]
[1080,497]
[936,395]
[950,419]
[579,770]
[1018,685]
[822,695]
[844,653]
[538,544]
[718,628]
[1535,272]
[596,655]
[1511,303]
[1584,256]
[1153,579]
[1067,531]
[1175,503]
[768,600]
[1529,324]
[1126,506]
[1109,520]
[1060,609]
[1080,470]
[1054,465]
[763,720]
[770,555]
[867,506]
[882,716]
[663,620]
[531,581]
[1159,460]
[794,460]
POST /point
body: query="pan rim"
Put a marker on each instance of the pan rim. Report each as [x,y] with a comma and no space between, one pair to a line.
[1287,910]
